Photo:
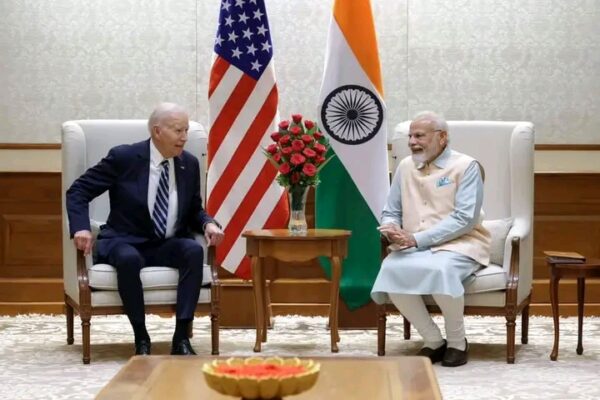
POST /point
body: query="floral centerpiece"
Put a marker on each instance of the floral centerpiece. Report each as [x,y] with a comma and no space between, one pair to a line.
[298,152]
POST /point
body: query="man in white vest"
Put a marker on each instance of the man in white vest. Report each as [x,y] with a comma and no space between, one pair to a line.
[433,220]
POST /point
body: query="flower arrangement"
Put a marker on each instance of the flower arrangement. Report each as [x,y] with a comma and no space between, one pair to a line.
[299,152]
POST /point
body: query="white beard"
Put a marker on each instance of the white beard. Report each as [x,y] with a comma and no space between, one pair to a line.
[425,156]
[419,158]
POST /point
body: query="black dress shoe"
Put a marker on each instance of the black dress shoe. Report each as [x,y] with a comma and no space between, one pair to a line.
[455,357]
[142,348]
[435,355]
[183,348]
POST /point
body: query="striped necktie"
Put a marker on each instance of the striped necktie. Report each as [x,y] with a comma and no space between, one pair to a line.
[161,205]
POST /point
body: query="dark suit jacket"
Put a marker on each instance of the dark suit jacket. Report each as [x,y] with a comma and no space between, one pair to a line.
[124,172]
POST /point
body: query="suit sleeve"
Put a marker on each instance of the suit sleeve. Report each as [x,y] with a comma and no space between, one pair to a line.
[87,187]
[199,216]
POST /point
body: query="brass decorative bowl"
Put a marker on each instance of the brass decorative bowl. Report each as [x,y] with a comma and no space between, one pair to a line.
[261,378]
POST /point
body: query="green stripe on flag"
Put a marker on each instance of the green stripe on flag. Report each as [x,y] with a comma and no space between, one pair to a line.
[340,205]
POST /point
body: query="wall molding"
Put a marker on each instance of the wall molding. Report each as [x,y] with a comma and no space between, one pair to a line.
[567,147]
[30,146]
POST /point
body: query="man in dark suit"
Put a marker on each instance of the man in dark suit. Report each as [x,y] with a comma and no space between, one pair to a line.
[155,205]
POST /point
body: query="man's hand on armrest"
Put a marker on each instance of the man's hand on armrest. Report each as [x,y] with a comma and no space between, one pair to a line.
[213,234]
[83,241]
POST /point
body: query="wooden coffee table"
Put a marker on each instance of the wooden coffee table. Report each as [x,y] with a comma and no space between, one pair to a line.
[177,377]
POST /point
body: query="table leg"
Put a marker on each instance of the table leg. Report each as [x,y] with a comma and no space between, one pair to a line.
[258,300]
[554,279]
[580,303]
[336,273]
[265,303]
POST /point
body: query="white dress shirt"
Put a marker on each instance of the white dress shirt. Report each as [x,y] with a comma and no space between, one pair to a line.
[154,177]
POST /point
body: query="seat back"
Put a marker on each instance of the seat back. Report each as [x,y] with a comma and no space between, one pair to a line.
[84,143]
[505,150]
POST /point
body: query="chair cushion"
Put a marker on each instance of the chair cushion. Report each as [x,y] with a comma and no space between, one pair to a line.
[151,297]
[104,277]
[498,229]
[487,279]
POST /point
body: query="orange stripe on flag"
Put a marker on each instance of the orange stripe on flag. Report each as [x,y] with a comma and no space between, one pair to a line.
[219,67]
[228,114]
[247,146]
[360,37]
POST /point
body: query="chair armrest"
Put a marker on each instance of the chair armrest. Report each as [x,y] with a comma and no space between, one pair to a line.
[85,293]
[520,229]
[515,245]
[209,258]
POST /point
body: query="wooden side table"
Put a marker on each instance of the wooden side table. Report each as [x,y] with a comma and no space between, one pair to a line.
[282,245]
[589,269]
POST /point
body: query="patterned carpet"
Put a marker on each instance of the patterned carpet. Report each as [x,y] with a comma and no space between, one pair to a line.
[36,363]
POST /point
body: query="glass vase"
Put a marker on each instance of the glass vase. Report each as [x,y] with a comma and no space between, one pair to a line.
[297,199]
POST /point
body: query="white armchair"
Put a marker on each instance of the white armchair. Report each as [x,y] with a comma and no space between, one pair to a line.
[91,289]
[505,150]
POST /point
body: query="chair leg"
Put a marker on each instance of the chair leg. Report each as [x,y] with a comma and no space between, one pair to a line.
[381,321]
[69,314]
[406,328]
[525,325]
[510,338]
[214,333]
[190,330]
[85,333]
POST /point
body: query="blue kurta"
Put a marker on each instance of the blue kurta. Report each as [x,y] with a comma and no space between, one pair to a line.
[419,270]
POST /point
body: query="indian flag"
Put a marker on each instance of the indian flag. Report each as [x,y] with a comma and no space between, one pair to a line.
[354,184]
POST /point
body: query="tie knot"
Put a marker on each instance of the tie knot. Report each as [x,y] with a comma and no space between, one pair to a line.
[164,163]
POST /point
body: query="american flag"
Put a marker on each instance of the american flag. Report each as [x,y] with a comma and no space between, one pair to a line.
[241,189]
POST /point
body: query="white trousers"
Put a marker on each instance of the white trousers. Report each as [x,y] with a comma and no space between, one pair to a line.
[413,308]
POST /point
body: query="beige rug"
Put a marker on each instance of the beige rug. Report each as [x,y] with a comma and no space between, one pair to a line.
[36,363]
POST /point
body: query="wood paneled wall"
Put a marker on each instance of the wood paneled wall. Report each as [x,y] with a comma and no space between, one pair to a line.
[567,217]
[30,243]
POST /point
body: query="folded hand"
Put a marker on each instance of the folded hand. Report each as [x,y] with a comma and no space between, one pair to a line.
[395,234]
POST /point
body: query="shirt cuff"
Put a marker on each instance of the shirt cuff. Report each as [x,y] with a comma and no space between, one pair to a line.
[423,239]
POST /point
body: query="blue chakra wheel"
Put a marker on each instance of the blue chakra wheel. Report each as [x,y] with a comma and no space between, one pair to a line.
[352,114]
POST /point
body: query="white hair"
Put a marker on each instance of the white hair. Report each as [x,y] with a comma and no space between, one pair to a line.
[438,121]
[162,111]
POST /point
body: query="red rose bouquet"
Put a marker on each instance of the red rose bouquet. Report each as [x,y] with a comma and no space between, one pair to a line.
[298,152]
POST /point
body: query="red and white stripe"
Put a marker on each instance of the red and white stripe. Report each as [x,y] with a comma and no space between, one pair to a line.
[241,190]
